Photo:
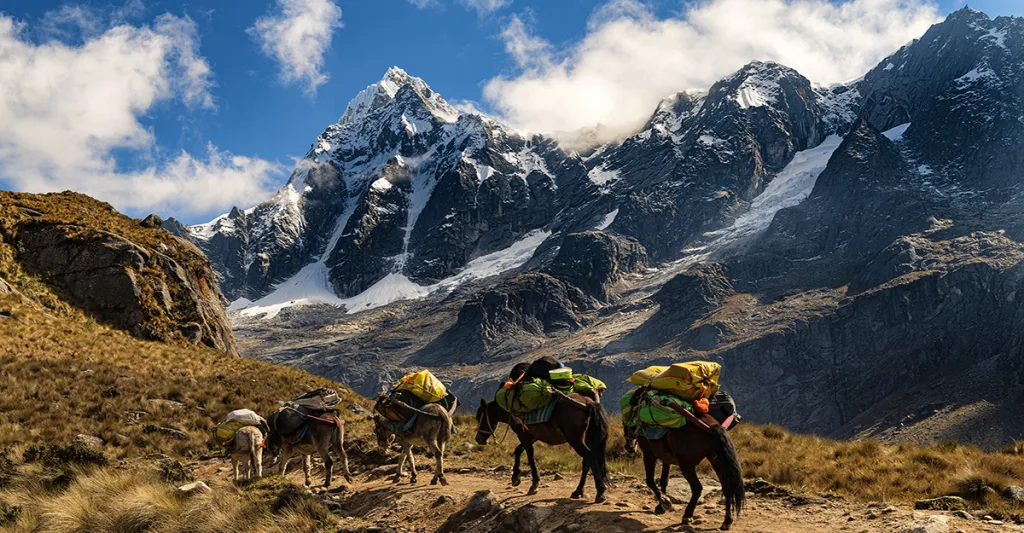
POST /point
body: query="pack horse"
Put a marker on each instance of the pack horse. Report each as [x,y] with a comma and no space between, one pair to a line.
[570,416]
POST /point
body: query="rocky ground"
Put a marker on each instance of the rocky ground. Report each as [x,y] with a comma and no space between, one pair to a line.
[480,500]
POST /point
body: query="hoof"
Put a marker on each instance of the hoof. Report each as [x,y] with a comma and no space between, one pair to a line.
[660,509]
[516,482]
[444,482]
[725,527]
[412,481]
[600,499]
[532,491]
[433,481]
[687,520]
[576,495]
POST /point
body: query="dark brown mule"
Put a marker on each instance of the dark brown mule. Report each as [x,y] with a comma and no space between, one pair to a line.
[687,447]
[577,420]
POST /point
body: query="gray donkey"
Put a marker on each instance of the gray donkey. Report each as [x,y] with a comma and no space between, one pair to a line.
[431,427]
[295,433]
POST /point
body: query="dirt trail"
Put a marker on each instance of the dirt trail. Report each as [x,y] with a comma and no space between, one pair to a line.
[483,500]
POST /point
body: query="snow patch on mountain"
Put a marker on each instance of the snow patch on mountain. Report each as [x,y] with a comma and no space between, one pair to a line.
[606,222]
[896,134]
[602,176]
[312,285]
[790,187]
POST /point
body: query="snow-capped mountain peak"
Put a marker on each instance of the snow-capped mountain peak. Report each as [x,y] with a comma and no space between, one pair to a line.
[379,94]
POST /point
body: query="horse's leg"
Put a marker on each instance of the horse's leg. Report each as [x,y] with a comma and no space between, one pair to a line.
[650,464]
[438,446]
[438,466]
[582,451]
[324,449]
[690,473]
[666,469]
[234,464]
[401,465]
[727,523]
[412,464]
[516,475]
[339,448]
[307,465]
[533,470]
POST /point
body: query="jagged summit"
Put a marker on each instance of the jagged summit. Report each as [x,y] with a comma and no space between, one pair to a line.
[379,94]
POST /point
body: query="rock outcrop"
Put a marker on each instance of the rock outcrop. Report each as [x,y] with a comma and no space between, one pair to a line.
[134,277]
[595,261]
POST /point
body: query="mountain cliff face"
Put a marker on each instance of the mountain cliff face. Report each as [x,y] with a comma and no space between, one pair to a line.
[844,251]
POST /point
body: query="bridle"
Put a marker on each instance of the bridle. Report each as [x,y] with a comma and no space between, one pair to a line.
[486,418]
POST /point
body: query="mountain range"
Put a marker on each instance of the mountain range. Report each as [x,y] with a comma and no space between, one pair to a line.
[850,253]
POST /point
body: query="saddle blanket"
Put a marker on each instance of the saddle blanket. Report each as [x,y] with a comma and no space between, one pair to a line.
[650,432]
[539,416]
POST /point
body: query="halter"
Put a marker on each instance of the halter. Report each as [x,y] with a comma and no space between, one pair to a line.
[487,418]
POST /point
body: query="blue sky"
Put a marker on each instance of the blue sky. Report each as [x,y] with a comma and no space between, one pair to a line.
[502,55]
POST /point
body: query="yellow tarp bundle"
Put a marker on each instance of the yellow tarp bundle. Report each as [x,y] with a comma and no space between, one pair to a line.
[690,381]
[642,378]
[423,385]
[222,434]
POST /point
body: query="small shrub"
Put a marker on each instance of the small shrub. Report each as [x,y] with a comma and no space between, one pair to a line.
[59,456]
[772,432]
[9,514]
[7,469]
[175,472]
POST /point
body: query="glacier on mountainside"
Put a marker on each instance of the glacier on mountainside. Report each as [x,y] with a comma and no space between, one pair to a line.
[312,286]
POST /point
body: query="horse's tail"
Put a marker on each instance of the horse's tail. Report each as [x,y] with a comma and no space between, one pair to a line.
[596,440]
[731,473]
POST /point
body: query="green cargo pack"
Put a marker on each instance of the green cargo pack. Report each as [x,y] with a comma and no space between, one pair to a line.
[222,434]
[652,408]
[528,395]
[584,384]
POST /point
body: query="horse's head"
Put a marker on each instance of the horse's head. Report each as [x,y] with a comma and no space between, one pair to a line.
[382,430]
[485,424]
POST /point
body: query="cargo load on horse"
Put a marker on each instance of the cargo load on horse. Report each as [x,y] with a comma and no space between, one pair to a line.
[415,390]
[671,396]
[316,401]
[532,389]
[224,433]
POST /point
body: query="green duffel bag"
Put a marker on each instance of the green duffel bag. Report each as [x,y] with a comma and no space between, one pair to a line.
[528,395]
[654,408]
[585,384]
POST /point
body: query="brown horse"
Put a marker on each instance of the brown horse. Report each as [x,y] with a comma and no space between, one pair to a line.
[577,420]
[687,447]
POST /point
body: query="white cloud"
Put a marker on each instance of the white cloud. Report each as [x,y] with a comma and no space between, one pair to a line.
[629,59]
[65,111]
[423,4]
[297,38]
[485,7]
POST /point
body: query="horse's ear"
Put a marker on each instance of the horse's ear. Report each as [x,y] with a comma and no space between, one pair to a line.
[483,402]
